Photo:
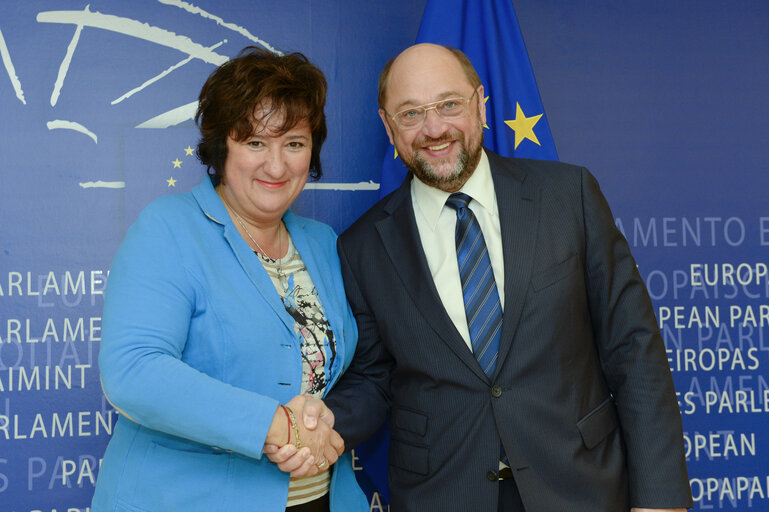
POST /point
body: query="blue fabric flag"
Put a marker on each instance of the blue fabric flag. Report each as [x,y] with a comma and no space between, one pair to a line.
[487,32]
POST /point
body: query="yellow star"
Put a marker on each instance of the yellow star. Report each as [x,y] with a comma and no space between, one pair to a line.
[485,100]
[523,126]
[171,182]
[395,152]
[189,151]
[177,163]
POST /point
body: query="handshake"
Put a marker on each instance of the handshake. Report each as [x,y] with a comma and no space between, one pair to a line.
[302,440]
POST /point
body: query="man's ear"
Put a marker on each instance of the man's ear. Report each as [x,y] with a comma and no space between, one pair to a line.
[383,116]
[481,105]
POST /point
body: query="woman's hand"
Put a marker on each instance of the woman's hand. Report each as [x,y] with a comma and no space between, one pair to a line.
[321,444]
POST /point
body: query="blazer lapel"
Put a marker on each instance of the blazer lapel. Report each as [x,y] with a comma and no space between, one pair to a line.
[214,209]
[320,270]
[400,237]
[517,204]
[257,274]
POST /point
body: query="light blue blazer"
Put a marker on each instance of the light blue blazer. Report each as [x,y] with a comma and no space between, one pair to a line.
[198,350]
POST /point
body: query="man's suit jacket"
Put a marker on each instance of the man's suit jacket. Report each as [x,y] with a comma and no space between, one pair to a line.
[582,398]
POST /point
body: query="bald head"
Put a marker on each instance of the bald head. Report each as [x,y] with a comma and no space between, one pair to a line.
[419,60]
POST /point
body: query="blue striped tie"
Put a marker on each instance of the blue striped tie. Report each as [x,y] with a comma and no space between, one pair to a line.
[479,289]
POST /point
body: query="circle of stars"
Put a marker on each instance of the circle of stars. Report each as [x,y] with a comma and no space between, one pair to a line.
[177,164]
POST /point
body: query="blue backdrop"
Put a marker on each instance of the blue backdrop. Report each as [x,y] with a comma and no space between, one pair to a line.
[665,102]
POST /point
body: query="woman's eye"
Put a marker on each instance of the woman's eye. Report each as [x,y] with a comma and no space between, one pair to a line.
[255,144]
[295,145]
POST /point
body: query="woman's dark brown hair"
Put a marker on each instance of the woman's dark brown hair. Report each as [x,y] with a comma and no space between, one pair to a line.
[288,84]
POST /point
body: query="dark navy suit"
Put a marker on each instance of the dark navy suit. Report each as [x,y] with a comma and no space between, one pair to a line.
[582,399]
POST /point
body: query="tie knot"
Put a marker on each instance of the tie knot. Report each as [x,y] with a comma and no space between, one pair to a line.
[458,200]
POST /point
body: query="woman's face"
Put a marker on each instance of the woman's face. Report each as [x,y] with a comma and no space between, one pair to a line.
[266,172]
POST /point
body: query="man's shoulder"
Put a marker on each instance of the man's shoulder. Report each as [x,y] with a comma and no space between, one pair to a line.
[541,170]
[558,179]
[366,223]
[312,227]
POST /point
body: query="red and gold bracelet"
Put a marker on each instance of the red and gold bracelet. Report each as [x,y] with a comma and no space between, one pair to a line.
[288,417]
[294,426]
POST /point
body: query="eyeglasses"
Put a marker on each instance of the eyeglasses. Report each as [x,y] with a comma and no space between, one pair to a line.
[450,108]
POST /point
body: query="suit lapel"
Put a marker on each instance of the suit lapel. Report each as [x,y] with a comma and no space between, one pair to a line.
[517,204]
[400,236]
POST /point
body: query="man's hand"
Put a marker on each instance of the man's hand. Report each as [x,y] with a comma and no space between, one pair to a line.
[321,445]
[313,409]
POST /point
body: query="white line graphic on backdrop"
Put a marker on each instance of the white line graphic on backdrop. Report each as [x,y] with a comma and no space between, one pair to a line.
[240,30]
[127,26]
[172,117]
[133,28]
[5,54]
[161,75]
[144,31]
[185,112]
[59,124]
[363,185]
[64,66]
[102,184]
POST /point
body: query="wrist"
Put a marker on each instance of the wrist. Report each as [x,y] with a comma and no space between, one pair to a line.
[290,423]
[279,429]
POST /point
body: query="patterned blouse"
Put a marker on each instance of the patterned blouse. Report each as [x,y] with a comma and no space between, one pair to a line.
[301,300]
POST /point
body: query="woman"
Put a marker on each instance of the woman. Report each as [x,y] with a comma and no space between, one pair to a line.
[223,308]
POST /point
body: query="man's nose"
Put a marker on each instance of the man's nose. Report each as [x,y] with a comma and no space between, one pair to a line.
[434,125]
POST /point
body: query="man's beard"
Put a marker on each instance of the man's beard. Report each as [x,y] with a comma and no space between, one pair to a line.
[454,180]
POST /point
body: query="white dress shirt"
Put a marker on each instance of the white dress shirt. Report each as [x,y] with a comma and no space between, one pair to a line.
[436,223]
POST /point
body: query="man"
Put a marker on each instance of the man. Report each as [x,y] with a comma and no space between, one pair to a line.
[560,397]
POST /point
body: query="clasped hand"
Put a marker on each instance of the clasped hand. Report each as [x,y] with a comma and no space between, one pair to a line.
[321,445]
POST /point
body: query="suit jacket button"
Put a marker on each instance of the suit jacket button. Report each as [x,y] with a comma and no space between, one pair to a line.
[492,476]
[496,391]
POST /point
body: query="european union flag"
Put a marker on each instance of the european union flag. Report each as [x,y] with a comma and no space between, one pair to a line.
[487,32]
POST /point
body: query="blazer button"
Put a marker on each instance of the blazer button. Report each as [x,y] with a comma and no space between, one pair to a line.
[496,391]
[492,476]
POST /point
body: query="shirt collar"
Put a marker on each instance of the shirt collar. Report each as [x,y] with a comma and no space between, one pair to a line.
[480,187]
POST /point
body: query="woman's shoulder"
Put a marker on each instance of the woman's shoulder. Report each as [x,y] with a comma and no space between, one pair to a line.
[172,213]
[311,227]
[170,205]
[164,221]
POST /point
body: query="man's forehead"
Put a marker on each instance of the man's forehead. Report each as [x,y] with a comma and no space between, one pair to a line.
[426,59]
[428,75]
